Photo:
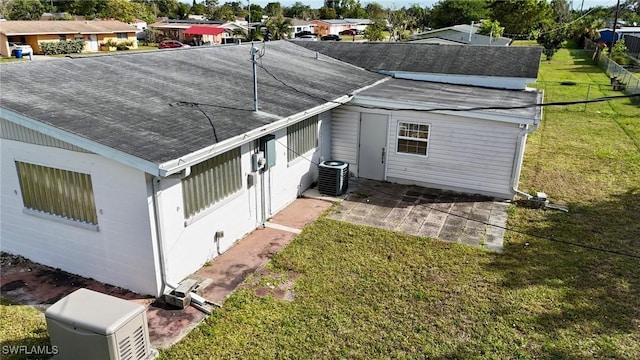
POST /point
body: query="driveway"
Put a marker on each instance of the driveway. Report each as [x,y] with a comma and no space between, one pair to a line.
[461,218]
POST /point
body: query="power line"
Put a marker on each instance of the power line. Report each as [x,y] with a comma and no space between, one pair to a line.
[197,106]
[565,242]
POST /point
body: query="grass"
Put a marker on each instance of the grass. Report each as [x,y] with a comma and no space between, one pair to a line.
[21,325]
[541,298]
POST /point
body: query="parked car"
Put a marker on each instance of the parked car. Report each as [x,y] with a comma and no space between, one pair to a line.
[332,37]
[303,33]
[26,49]
[171,44]
[306,38]
[350,32]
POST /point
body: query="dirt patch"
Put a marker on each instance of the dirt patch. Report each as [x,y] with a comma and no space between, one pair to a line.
[267,283]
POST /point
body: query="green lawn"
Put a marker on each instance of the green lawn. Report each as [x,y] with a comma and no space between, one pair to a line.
[539,299]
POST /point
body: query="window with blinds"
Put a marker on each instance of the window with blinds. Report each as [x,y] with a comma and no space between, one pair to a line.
[211,181]
[302,137]
[63,193]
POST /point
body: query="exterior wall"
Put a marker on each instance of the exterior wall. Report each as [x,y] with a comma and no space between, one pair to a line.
[323,28]
[345,134]
[4,46]
[120,253]
[188,247]
[464,154]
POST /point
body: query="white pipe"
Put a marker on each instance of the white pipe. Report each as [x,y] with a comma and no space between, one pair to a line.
[517,160]
[161,254]
[471,31]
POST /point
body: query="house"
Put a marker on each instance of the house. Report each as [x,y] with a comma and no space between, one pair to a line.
[459,35]
[298,25]
[327,27]
[606,34]
[174,29]
[487,66]
[93,33]
[162,171]
[155,161]
[359,24]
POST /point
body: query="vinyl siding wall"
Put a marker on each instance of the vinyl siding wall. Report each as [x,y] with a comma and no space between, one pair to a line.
[464,154]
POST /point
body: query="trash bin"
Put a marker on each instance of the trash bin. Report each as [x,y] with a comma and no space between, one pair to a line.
[18,53]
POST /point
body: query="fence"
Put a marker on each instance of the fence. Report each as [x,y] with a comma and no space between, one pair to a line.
[614,70]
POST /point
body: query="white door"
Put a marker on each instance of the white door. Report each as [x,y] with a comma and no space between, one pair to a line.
[92,45]
[373,146]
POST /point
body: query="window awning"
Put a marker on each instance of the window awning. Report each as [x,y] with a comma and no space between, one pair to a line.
[204,30]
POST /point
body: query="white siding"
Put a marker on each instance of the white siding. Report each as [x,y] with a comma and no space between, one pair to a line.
[187,248]
[345,127]
[13,131]
[464,154]
[121,252]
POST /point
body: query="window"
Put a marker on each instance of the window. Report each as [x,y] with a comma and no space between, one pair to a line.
[211,181]
[413,138]
[121,36]
[64,193]
[302,137]
[62,37]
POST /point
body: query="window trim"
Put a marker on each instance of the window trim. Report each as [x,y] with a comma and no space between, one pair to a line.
[427,141]
[122,36]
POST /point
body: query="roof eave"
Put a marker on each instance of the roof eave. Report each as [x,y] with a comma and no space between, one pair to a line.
[177,165]
[81,142]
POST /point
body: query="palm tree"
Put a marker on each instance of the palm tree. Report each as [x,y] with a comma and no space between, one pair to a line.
[278,27]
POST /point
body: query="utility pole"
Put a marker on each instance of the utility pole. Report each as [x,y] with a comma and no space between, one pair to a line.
[615,22]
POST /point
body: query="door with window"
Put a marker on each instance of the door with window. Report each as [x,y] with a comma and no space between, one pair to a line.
[372,155]
[92,44]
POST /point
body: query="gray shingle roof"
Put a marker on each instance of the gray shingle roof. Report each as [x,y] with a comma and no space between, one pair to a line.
[124,101]
[457,96]
[476,39]
[504,61]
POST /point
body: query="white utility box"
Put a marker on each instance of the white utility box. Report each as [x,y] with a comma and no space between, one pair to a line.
[90,325]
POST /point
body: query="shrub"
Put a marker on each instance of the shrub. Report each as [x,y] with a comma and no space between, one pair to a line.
[62,47]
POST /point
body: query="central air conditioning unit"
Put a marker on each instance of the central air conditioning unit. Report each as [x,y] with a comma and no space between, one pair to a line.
[333,177]
[90,325]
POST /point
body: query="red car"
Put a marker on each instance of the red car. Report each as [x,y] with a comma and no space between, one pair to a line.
[171,44]
[349,32]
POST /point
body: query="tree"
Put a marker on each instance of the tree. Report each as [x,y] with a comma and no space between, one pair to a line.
[223,13]
[455,12]
[490,28]
[273,9]
[374,32]
[298,10]
[182,11]
[121,10]
[561,11]
[167,8]
[256,12]
[420,16]
[198,8]
[520,17]
[327,13]
[278,27]
[399,21]
[551,38]
[375,11]
[24,10]
[88,7]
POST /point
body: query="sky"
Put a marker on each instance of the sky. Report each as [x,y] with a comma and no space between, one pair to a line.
[397,4]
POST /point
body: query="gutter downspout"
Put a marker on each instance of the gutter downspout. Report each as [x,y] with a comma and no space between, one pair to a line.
[517,165]
[161,259]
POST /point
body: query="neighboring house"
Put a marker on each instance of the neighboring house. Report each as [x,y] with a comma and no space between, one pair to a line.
[92,32]
[632,41]
[326,27]
[141,26]
[298,25]
[174,29]
[234,30]
[458,35]
[489,66]
[359,24]
[621,32]
[159,173]
[203,34]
